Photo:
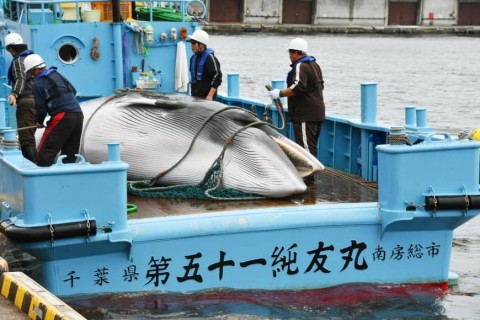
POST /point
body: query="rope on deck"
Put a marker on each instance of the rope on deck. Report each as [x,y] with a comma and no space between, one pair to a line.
[208,189]
[372,185]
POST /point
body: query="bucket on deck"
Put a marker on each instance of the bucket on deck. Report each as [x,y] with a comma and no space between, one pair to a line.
[91,16]
[70,11]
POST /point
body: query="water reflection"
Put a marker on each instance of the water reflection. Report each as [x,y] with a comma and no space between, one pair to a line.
[354,301]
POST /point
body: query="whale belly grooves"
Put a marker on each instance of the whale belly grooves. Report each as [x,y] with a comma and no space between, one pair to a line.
[184,136]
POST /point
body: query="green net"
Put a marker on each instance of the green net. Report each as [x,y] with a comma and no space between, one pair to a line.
[162,14]
[208,189]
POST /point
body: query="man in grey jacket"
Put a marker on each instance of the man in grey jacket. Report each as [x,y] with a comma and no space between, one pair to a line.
[21,95]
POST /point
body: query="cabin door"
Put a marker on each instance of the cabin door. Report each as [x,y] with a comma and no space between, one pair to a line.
[469,13]
[225,10]
[402,13]
[297,11]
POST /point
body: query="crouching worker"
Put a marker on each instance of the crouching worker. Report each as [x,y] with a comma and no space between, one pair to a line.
[54,95]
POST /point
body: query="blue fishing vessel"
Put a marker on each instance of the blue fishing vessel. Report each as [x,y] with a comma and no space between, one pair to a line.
[92,237]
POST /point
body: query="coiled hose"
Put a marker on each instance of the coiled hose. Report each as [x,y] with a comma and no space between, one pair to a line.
[162,14]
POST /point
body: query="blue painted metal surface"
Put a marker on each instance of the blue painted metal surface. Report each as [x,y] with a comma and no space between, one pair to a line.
[233,85]
[119,53]
[396,240]
[368,102]
[272,248]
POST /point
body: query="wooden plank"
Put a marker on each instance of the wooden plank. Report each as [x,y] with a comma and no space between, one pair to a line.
[402,13]
[297,11]
[469,14]
[225,10]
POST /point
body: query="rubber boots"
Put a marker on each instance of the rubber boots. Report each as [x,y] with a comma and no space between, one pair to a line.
[30,153]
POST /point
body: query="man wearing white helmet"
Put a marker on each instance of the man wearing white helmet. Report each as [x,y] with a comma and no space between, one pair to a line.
[54,95]
[306,107]
[21,95]
[205,72]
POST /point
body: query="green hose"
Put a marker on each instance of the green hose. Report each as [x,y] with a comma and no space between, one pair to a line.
[131,208]
[161,14]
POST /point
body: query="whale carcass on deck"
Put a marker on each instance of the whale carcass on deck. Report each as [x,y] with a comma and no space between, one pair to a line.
[156,131]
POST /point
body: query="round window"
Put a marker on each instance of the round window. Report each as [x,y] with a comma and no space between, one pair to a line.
[68,53]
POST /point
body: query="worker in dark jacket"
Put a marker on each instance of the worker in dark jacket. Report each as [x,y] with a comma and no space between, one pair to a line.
[205,72]
[21,95]
[306,107]
[54,95]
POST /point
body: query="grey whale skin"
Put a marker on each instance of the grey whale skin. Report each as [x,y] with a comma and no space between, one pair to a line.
[155,131]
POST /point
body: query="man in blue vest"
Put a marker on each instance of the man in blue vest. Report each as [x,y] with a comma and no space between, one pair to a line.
[21,95]
[304,92]
[205,72]
[54,95]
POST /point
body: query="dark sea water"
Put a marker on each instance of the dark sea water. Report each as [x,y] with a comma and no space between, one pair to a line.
[440,73]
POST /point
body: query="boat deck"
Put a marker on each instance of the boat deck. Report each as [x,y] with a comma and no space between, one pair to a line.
[330,186]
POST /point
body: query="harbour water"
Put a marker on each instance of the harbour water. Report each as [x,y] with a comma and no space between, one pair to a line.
[440,73]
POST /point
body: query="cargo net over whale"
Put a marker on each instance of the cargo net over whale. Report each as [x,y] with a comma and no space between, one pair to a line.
[178,146]
[208,189]
[211,185]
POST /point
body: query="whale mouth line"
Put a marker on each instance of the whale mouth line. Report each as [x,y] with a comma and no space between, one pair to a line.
[304,162]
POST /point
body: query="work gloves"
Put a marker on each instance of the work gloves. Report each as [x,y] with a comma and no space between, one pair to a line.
[274,94]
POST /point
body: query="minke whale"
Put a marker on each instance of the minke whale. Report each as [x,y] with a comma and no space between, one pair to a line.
[155,132]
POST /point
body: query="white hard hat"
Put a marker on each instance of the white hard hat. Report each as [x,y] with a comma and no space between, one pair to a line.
[33,61]
[13,39]
[200,36]
[298,44]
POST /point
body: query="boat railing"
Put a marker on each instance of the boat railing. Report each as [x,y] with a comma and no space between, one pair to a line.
[34,12]
[346,144]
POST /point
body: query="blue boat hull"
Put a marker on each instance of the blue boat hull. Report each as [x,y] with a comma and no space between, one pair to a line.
[399,239]
[293,248]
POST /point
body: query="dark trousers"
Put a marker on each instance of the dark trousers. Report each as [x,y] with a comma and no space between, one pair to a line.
[307,134]
[25,115]
[63,134]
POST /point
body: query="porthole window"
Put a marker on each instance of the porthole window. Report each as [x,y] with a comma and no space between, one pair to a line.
[68,53]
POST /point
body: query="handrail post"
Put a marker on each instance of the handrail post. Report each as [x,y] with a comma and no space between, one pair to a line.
[233,83]
[368,102]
